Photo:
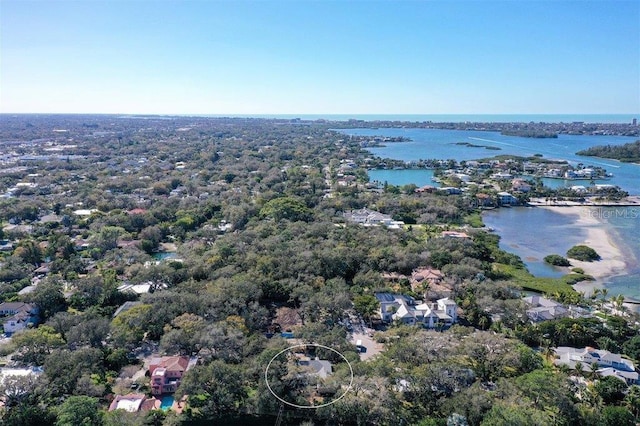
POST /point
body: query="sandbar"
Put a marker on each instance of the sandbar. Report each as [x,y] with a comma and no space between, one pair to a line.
[611,261]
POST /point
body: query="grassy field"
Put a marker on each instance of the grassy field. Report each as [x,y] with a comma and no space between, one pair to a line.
[540,284]
[475,220]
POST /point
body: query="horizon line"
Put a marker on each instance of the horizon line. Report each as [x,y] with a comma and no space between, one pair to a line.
[234,114]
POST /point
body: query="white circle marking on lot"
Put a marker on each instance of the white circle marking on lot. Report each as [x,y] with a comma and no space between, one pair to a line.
[266,377]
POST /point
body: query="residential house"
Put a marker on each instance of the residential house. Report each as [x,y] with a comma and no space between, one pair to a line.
[125,307]
[520,185]
[463,177]
[426,189]
[553,173]
[19,372]
[506,199]
[368,217]
[18,316]
[454,234]
[166,373]
[399,307]
[611,364]
[484,200]
[315,367]
[16,372]
[28,289]
[502,176]
[135,288]
[542,309]
[137,210]
[84,212]
[426,275]
[6,245]
[134,402]
[450,190]
[629,377]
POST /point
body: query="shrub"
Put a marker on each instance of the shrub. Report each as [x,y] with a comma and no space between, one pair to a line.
[584,253]
[557,260]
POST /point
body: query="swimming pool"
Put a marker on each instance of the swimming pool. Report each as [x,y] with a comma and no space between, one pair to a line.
[166,402]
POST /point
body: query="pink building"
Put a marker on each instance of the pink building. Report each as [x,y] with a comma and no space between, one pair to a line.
[166,373]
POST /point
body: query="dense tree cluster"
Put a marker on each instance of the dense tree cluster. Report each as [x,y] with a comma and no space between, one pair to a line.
[252,213]
[582,252]
[629,152]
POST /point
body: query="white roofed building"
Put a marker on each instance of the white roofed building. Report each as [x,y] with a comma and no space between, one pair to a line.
[611,364]
[399,307]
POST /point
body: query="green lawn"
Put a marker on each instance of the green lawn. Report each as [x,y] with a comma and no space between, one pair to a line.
[524,279]
[474,219]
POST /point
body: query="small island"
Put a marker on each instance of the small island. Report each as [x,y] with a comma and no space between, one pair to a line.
[627,153]
[583,253]
[530,133]
[379,141]
[473,145]
[557,260]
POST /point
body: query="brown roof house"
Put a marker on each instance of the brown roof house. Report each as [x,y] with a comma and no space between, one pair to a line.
[166,372]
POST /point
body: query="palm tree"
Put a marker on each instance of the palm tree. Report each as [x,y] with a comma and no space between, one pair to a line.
[594,370]
[560,334]
[603,301]
[579,368]
[548,352]
[618,303]
[632,400]
[564,368]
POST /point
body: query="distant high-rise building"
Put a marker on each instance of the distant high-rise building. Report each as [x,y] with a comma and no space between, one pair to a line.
[635,122]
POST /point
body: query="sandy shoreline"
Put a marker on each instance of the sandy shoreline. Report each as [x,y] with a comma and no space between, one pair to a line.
[612,260]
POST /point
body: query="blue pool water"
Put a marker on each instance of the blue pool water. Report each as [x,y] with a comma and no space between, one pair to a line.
[166,402]
[165,255]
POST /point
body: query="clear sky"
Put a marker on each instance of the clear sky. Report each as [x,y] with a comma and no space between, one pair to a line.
[320,57]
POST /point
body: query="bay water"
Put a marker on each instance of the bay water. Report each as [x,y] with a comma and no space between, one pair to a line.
[544,232]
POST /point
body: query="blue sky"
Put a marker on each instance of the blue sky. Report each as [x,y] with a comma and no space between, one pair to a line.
[320,57]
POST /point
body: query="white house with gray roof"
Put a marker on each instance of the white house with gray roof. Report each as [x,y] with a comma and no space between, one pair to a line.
[542,309]
[17,316]
[399,307]
[366,217]
[611,364]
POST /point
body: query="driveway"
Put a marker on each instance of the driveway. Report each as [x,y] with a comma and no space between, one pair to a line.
[372,347]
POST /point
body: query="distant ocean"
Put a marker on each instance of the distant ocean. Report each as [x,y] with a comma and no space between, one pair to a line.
[454,118]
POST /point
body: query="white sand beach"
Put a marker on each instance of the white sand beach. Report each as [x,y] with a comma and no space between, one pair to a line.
[612,260]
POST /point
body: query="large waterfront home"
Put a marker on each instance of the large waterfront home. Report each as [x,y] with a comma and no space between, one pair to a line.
[610,364]
[506,199]
[403,308]
[542,309]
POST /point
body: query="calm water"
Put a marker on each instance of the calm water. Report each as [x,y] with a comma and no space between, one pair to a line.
[545,232]
[420,177]
[441,144]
